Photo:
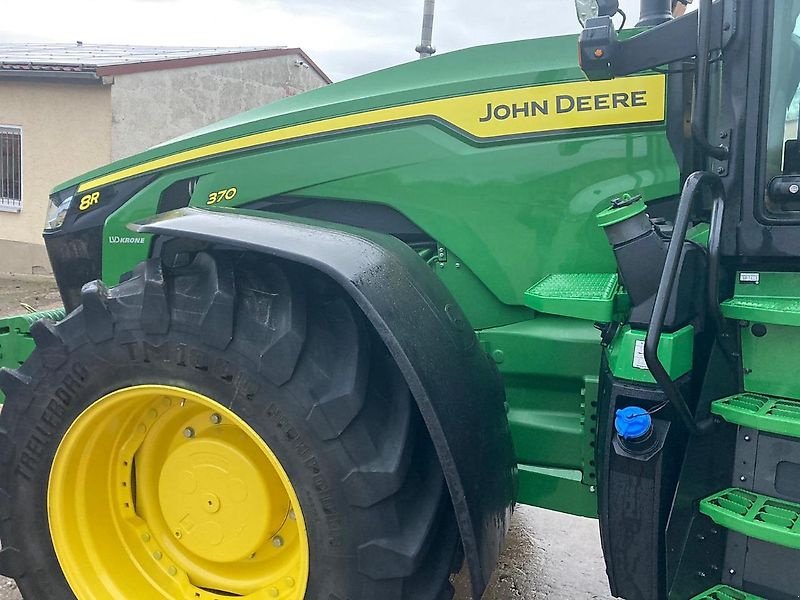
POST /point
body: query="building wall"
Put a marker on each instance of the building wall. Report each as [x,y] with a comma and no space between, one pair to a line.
[66,130]
[71,128]
[152,107]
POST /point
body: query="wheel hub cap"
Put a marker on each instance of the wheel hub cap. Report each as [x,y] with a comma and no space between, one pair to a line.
[217,502]
[165,493]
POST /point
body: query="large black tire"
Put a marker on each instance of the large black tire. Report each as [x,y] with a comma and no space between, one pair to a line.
[291,355]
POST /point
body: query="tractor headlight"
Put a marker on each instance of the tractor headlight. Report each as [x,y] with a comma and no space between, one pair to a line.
[57,211]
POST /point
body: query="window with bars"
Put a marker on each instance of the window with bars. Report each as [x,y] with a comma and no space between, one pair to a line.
[10,168]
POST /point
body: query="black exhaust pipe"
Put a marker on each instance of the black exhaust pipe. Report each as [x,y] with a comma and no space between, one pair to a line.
[654,12]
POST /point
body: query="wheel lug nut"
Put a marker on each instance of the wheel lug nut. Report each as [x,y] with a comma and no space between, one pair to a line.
[188,433]
[277,541]
[216,418]
[292,516]
[172,571]
[157,555]
[273,592]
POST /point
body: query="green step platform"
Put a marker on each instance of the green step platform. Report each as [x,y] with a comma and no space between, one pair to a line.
[724,592]
[756,516]
[771,300]
[765,413]
[580,295]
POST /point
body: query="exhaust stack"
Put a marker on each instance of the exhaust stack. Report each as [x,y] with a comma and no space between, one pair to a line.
[425,47]
[654,12]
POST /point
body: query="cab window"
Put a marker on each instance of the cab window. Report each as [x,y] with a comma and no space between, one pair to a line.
[783,148]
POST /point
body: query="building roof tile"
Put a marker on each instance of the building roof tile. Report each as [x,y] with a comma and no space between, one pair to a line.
[99,60]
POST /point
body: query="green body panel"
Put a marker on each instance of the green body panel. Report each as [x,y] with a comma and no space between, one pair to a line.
[626,352]
[724,592]
[755,515]
[498,66]
[16,343]
[557,489]
[512,221]
[506,213]
[550,367]
[518,216]
[774,299]
[699,234]
[580,295]
[775,415]
[768,306]
[770,362]
[477,301]
[514,210]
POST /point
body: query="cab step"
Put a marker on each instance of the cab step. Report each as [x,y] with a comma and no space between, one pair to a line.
[581,295]
[724,592]
[764,413]
[755,515]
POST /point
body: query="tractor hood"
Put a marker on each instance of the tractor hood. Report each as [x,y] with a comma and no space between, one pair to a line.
[474,70]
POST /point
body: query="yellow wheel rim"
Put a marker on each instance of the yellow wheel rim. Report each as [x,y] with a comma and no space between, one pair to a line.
[160,492]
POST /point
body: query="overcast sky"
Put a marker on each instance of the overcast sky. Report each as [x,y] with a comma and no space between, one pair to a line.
[345,37]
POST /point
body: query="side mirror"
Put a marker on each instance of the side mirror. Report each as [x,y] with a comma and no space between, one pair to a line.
[588,9]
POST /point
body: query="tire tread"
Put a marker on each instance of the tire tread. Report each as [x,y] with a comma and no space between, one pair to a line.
[307,337]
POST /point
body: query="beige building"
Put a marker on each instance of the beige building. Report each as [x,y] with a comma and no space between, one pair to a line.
[66,109]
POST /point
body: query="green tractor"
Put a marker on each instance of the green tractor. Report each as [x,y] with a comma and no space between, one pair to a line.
[353,328]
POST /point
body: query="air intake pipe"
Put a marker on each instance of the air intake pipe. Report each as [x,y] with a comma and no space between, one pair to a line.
[639,250]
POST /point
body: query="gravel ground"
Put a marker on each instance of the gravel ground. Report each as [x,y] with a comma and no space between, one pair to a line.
[549,555]
[38,291]
[8,590]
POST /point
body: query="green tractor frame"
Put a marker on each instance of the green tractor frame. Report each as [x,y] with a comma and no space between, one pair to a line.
[321,349]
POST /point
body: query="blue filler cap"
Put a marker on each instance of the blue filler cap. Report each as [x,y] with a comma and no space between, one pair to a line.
[633,423]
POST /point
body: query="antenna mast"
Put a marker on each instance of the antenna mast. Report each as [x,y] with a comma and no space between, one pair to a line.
[425,47]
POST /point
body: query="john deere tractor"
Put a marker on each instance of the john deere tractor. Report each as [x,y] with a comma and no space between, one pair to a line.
[321,349]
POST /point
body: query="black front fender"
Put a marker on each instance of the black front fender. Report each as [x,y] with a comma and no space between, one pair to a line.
[457,389]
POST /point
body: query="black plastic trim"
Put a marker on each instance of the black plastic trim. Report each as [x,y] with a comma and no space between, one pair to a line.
[702,83]
[366,215]
[667,43]
[76,248]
